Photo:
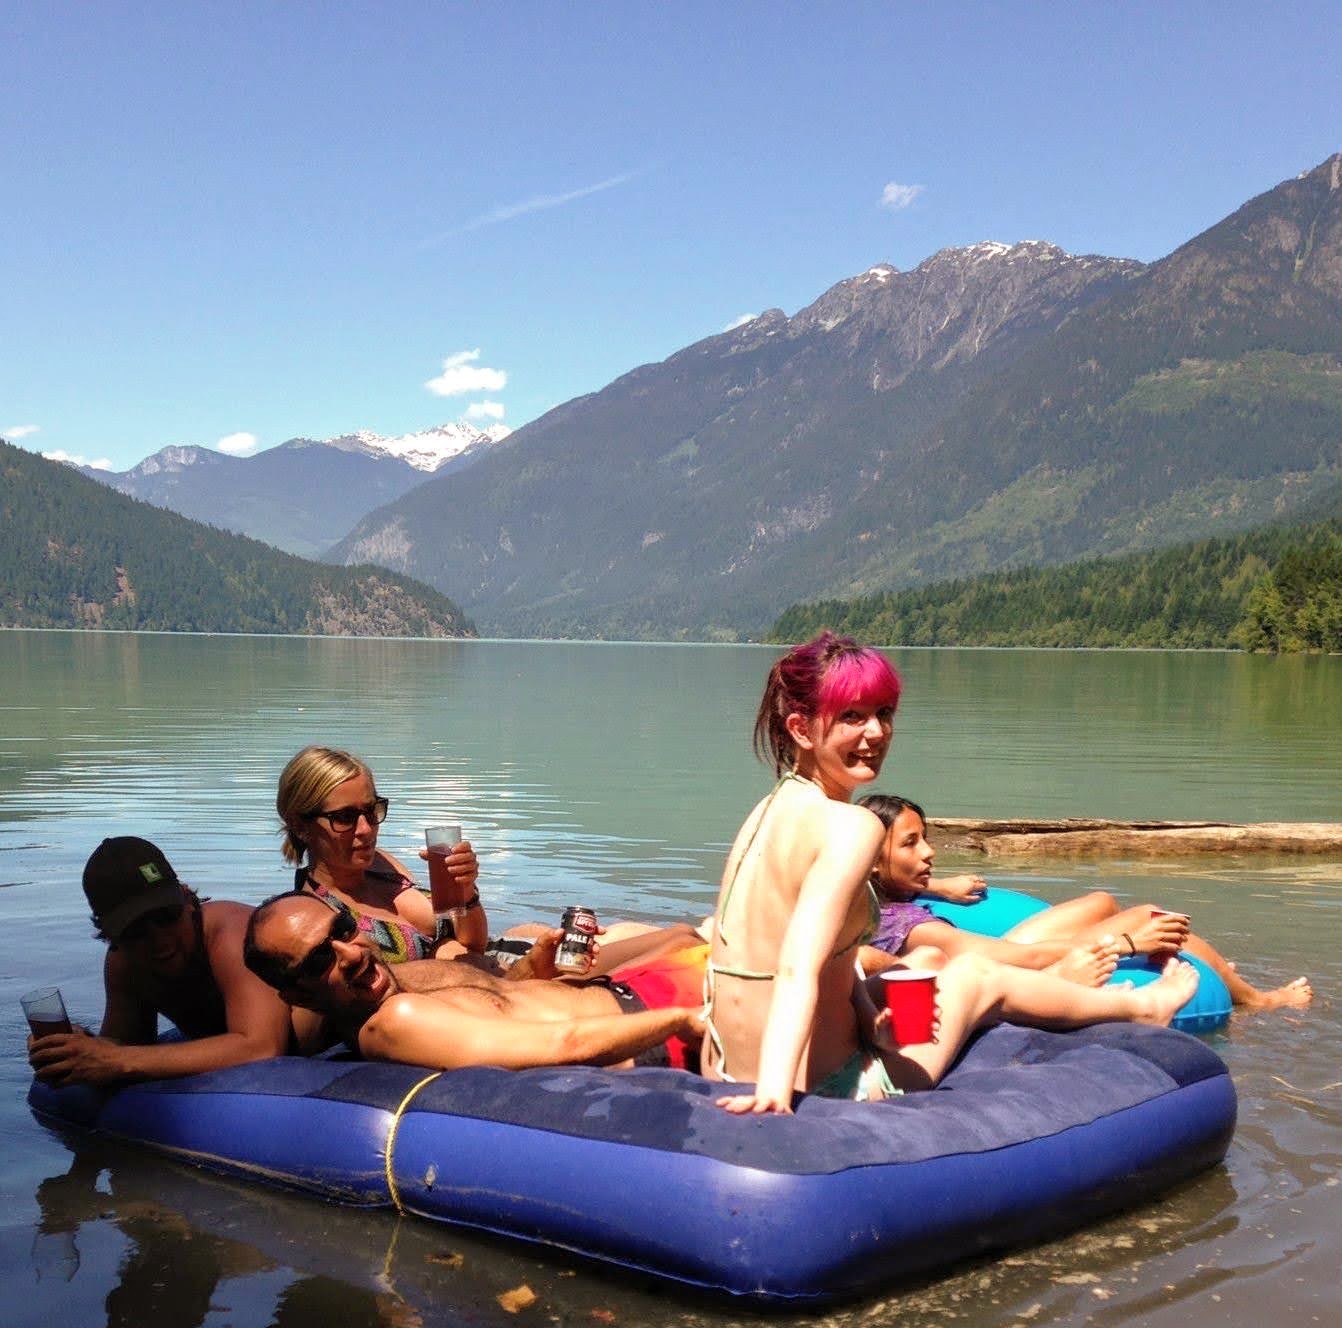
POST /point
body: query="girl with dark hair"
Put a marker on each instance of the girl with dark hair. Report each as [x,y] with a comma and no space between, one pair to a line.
[1080,939]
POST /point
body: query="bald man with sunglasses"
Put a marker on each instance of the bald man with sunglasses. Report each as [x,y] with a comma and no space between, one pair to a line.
[168,953]
[448,1014]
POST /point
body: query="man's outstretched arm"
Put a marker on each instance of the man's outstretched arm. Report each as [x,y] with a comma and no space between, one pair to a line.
[421,1030]
[257,1026]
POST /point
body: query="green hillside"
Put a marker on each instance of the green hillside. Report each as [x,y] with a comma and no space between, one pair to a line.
[74,553]
[1276,588]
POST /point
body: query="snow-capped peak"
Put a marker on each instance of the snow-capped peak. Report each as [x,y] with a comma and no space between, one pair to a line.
[425,450]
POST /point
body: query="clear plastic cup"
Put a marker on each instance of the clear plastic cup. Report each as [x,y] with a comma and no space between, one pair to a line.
[440,840]
[45,1011]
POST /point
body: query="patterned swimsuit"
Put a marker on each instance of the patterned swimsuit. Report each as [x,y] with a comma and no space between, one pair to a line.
[396,940]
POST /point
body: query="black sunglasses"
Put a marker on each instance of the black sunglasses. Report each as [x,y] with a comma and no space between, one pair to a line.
[316,964]
[346,818]
[156,917]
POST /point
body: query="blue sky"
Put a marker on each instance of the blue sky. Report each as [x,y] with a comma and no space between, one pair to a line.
[287,219]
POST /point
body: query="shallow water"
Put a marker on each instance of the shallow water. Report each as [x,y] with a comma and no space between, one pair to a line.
[614,775]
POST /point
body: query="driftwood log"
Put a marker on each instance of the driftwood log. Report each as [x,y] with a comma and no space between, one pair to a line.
[1123,839]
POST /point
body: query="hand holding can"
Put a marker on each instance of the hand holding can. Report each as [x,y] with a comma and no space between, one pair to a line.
[576,950]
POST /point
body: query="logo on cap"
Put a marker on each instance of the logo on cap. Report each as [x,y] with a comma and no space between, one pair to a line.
[151,873]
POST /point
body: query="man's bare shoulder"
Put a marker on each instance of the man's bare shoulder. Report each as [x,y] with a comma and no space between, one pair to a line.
[403,1015]
[224,925]
[225,914]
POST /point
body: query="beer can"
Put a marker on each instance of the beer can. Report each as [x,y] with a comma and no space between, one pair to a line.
[575,949]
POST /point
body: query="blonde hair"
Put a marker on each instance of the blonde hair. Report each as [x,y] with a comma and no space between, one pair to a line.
[304,783]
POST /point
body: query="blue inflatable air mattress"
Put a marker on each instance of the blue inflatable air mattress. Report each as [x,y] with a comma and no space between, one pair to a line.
[1032,1133]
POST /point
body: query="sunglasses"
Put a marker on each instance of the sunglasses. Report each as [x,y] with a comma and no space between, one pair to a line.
[316,964]
[346,818]
[155,918]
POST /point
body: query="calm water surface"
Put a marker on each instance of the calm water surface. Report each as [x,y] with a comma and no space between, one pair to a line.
[616,775]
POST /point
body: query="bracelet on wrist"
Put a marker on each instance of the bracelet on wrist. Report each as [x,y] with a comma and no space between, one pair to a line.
[460,910]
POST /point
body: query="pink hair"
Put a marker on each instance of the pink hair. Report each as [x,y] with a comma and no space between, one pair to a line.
[818,680]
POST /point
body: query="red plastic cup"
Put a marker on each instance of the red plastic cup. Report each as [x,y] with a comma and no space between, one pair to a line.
[911,998]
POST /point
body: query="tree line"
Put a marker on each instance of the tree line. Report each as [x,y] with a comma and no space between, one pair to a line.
[1275,588]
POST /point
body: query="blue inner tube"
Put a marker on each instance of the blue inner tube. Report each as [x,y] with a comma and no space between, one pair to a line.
[1000,910]
[1031,1134]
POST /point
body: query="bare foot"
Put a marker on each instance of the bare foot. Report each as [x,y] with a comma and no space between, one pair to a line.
[1089,965]
[1294,995]
[1159,1001]
[1161,934]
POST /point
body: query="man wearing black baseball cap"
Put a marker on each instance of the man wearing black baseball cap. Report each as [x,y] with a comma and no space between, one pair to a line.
[168,953]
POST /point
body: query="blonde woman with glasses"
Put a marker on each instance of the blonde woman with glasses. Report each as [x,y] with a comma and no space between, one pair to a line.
[331,811]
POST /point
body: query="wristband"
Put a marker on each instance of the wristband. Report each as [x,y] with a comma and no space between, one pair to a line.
[460,910]
[1132,949]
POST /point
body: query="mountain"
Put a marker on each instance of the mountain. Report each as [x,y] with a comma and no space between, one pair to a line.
[661,504]
[73,553]
[304,494]
[997,406]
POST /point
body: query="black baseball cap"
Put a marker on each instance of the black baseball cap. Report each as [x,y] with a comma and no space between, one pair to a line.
[126,878]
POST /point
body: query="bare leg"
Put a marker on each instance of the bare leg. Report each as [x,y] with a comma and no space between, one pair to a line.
[974,993]
[617,931]
[1097,916]
[1160,935]
[1064,921]
[1294,995]
[642,947]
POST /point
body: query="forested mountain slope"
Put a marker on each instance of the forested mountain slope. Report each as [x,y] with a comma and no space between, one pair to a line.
[1276,587]
[74,553]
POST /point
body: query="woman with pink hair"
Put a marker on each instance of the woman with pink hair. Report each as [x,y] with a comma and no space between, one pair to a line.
[786,1008]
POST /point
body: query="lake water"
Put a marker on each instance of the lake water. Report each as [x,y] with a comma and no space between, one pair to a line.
[615,775]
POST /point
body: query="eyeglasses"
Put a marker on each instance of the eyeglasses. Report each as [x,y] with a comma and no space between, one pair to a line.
[346,818]
[156,918]
[316,964]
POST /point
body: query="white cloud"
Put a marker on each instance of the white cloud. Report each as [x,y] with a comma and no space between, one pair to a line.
[17,431]
[896,197]
[237,444]
[485,410]
[740,322]
[102,463]
[461,375]
[536,203]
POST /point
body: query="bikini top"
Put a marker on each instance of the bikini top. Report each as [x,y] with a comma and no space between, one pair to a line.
[753,975]
[395,939]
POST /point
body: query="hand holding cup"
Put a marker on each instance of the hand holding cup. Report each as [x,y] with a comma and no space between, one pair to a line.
[453,868]
[910,1005]
[45,1011]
